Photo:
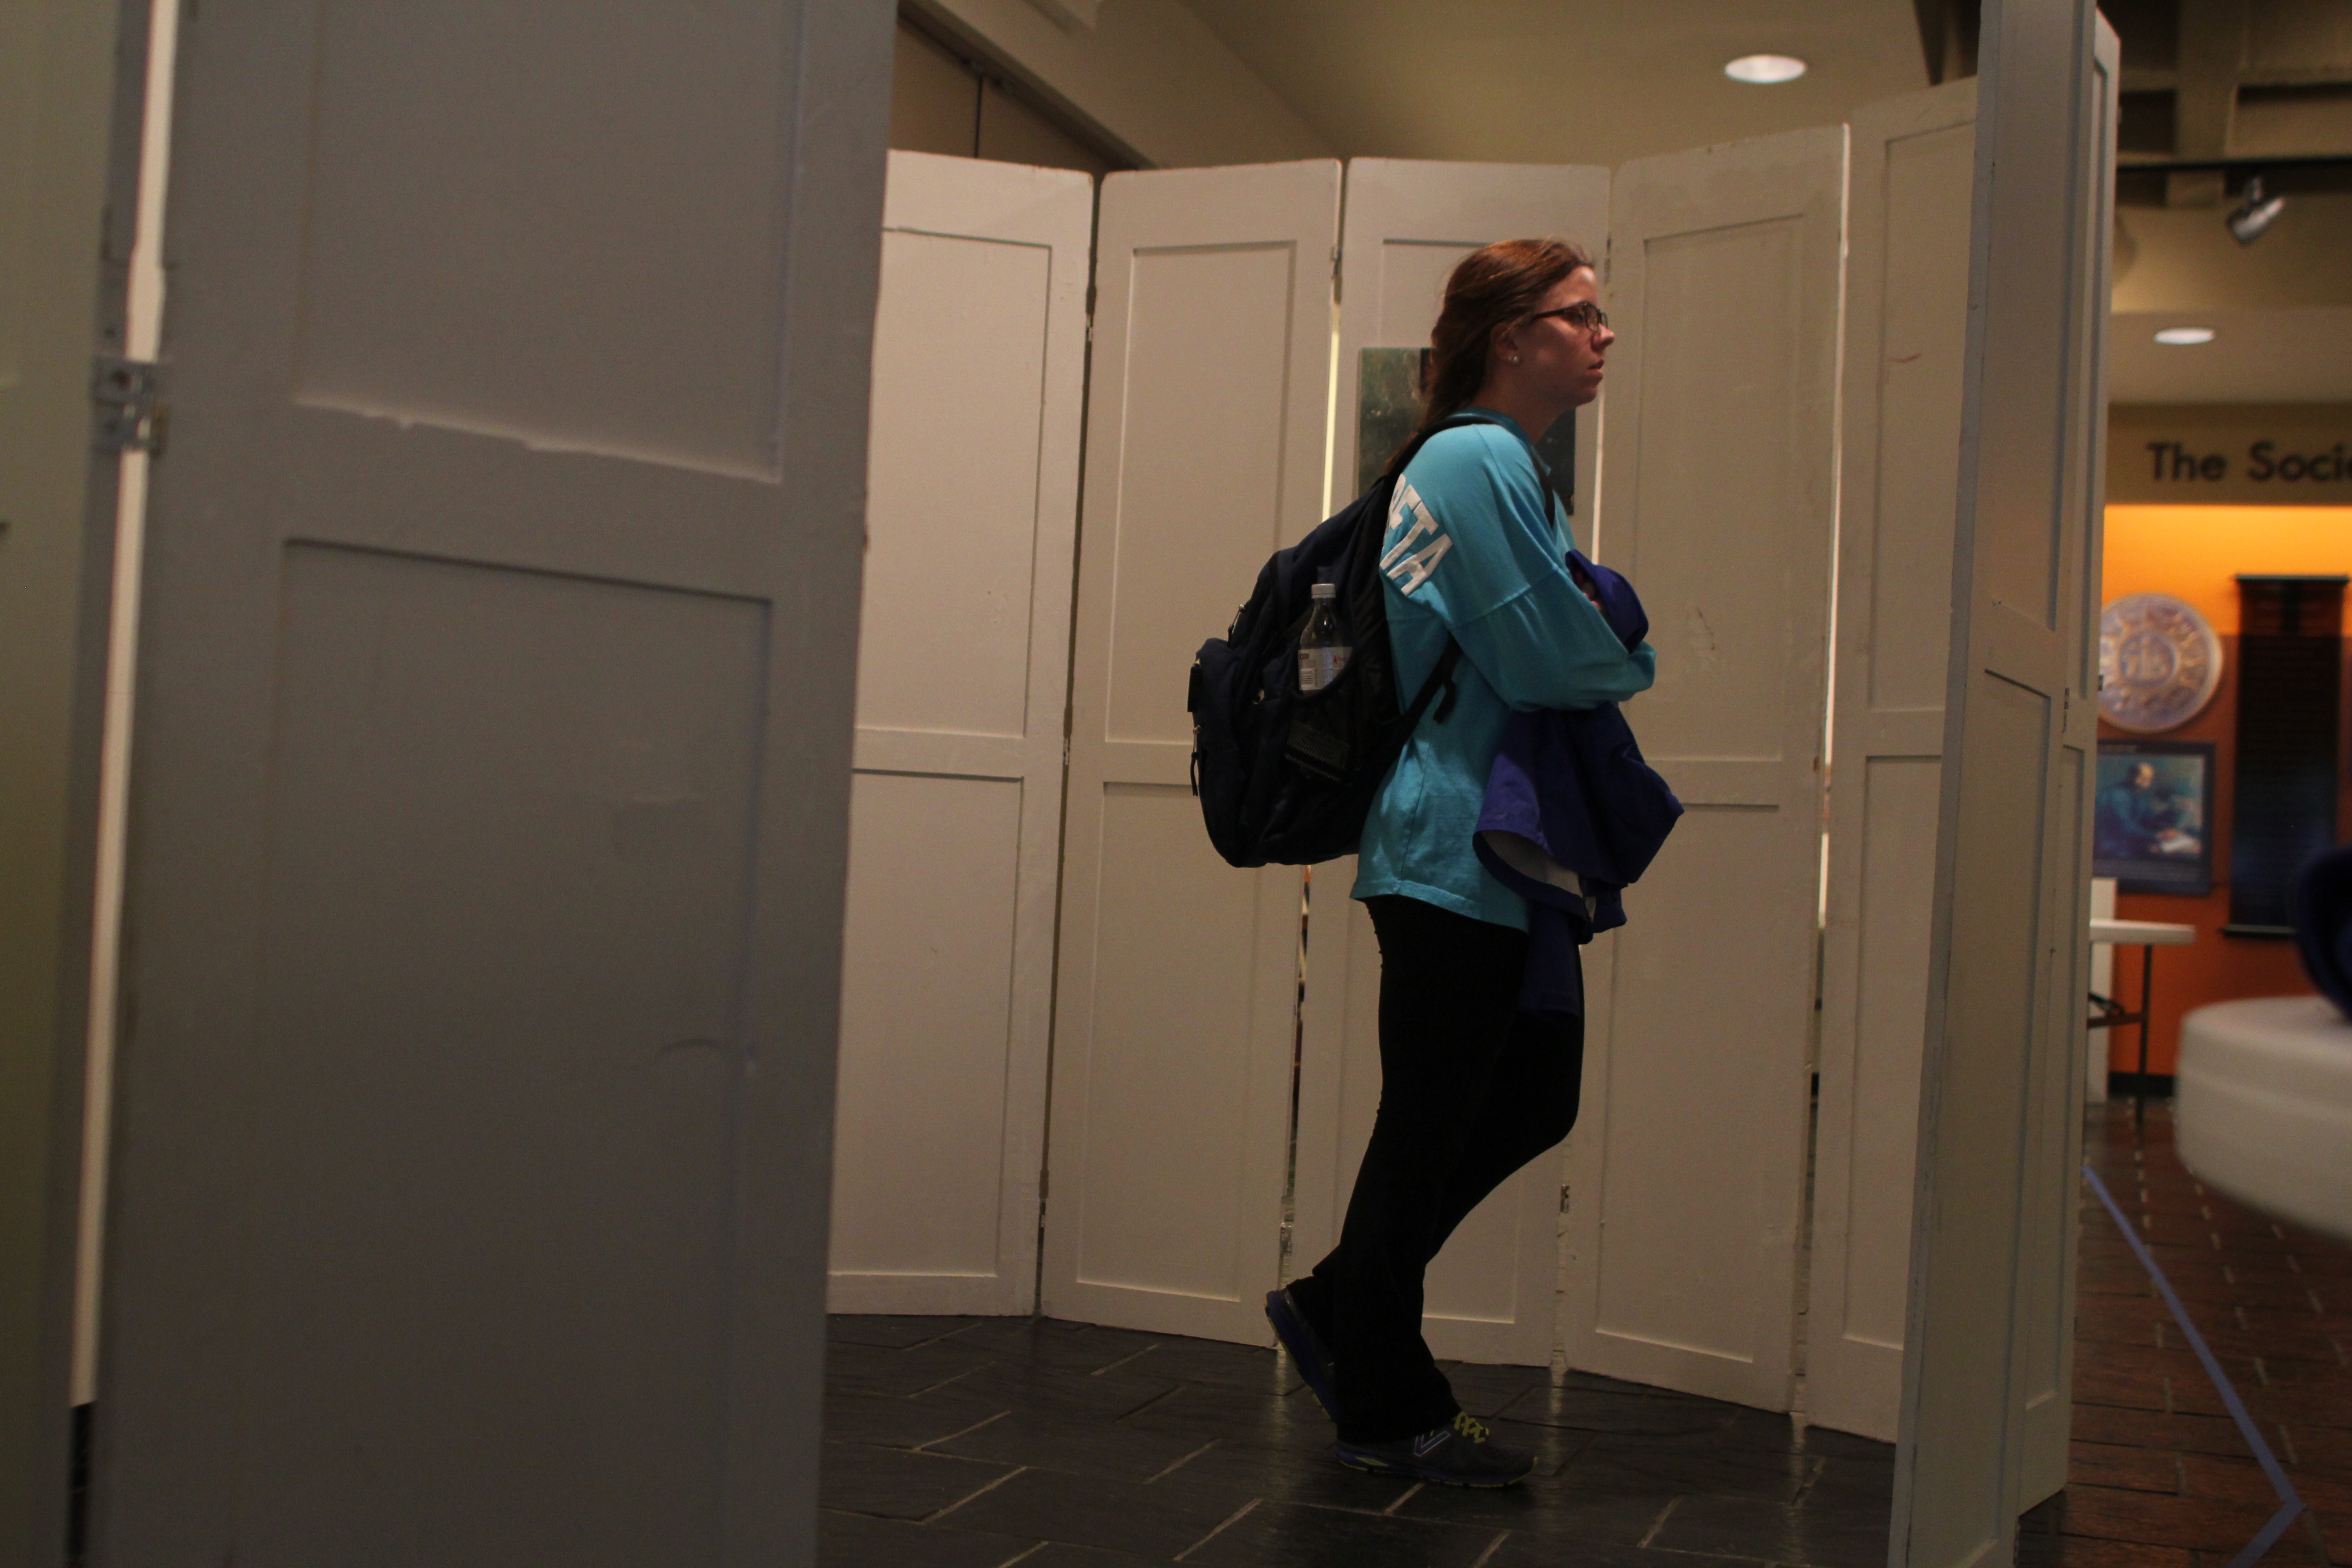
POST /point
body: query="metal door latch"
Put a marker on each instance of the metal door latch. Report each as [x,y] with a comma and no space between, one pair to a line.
[132,411]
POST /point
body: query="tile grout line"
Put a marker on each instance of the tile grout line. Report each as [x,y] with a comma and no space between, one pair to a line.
[1182,1462]
[1231,1520]
[1025,1553]
[1123,1360]
[1390,1511]
[967,1432]
[1659,1523]
[1492,1547]
[983,1492]
[2290,1504]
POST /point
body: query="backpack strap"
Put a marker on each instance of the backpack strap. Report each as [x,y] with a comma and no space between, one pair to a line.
[1442,676]
[1411,447]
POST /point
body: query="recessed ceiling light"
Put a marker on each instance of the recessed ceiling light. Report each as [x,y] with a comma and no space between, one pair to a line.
[1764,70]
[2179,336]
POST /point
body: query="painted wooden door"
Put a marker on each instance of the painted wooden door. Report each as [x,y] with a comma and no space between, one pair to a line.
[1914,163]
[2054,1075]
[69,228]
[1492,1293]
[2018,721]
[1207,439]
[1719,485]
[492,787]
[956,806]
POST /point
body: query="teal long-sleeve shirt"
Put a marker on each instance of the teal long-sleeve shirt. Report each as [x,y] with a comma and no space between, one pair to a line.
[1477,547]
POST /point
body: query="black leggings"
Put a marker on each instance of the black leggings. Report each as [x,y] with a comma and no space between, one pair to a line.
[1470,1091]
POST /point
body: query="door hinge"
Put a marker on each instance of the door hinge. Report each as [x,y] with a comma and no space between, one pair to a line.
[132,410]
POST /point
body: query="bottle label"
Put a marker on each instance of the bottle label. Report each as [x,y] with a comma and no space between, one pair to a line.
[1320,667]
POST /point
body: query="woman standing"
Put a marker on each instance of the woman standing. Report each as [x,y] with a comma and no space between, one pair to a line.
[1471,1090]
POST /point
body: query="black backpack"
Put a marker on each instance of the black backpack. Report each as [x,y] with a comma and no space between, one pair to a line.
[1286,777]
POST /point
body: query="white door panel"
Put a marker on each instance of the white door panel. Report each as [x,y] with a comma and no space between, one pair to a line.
[491,789]
[2046,1241]
[1984,1404]
[1492,1293]
[972,519]
[1720,480]
[1207,431]
[1913,161]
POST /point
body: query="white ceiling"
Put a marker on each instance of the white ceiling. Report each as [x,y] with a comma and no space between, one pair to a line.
[1563,82]
[2256,357]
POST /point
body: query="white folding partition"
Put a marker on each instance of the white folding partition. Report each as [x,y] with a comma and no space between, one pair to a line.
[2043,1304]
[1907,334]
[956,803]
[1984,1398]
[1687,1167]
[1492,1293]
[1207,433]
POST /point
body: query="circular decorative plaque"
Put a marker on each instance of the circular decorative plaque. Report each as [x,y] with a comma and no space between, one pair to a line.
[2159,663]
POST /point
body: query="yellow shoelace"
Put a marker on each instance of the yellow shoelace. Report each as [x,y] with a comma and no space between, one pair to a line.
[1470,1427]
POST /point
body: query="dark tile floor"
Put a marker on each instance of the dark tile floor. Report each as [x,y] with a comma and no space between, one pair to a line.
[982,1442]
[2160,1476]
[959,1441]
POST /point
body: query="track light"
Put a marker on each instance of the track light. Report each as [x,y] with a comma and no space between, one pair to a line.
[2254,215]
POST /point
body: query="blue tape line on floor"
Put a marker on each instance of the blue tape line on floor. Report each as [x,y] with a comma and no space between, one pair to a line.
[2290,1504]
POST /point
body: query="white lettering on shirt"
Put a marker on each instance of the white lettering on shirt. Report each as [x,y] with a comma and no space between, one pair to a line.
[1408,569]
[1414,570]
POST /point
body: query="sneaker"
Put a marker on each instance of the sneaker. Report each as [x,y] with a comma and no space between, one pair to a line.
[1308,1352]
[1461,1455]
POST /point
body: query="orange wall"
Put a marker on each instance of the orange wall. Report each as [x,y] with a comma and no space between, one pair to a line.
[2194,553]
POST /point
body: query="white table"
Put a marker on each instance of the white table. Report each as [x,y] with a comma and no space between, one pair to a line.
[2265,1106]
[2147,936]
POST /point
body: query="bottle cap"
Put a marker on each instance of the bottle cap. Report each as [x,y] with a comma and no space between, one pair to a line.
[1325,591]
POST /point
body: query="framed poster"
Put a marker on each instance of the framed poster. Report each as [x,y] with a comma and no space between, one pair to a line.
[2148,823]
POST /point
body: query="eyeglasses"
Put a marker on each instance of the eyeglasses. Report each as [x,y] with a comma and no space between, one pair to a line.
[1584,316]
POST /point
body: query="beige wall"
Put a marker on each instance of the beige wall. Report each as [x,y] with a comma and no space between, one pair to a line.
[1148,79]
[942,103]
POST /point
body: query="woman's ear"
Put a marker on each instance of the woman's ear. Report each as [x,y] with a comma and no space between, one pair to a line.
[1505,345]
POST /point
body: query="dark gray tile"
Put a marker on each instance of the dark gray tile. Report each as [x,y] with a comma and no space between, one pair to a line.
[883,1422]
[855,1540]
[1664,1468]
[1061,1392]
[1863,1481]
[1542,1507]
[1545,1551]
[854,1368]
[1770,1430]
[1485,1391]
[1815,1538]
[1288,1536]
[891,1333]
[894,1484]
[1846,1445]
[1258,1420]
[1247,1367]
[1097,1448]
[1600,1410]
[1053,1341]
[1156,1521]
[1292,1475]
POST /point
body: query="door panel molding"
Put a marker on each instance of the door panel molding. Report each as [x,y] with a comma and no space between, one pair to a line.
[972,540]
[1179,976]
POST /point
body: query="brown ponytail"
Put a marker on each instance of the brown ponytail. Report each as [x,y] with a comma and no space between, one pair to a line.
[1493,287]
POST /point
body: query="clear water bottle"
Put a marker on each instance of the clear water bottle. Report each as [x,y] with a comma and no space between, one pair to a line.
[1321,655]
